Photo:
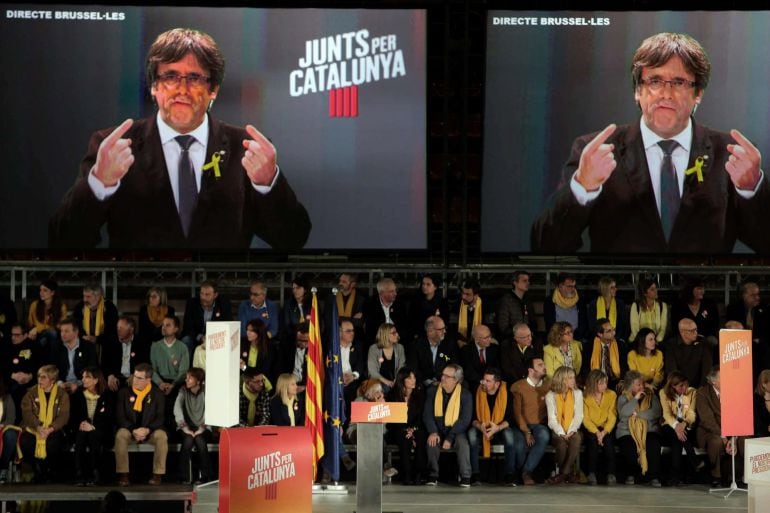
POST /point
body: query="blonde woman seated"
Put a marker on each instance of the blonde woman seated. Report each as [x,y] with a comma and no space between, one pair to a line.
[287,407]
[386,357]
[646,358]
[599,419]
[562,349]
[677,399]
[565,416]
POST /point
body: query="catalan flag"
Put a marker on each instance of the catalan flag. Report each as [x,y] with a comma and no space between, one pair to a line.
[314,392]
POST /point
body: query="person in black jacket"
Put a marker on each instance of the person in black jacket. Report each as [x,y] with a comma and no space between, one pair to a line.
[208,306]
[83,355]
[287,407]
[92,416]
[410,437]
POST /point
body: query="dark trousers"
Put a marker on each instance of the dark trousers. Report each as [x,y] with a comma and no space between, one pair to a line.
[411,453]
[54,445]
[592,452]
[670,439]
[185,453]
[630,457]
[89,447]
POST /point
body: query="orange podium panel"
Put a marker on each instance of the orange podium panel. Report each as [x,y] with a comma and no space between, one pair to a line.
[267,469]
[378,413]
[735,388]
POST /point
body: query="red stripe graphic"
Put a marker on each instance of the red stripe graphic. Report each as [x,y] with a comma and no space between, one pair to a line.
[354,101]
[343,102]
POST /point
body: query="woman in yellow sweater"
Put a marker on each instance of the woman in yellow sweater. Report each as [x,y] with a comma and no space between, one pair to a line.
[599,418]
[646,358]
[677,399]
[562,349]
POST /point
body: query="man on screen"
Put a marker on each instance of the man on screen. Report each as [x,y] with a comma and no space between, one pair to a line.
[666,183]
[180,179]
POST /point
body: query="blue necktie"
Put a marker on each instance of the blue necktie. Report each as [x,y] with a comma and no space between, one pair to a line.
[669,188]
[188,190]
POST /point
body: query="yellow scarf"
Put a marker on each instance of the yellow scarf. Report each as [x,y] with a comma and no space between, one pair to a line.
[498,412]
[565,408]
[252,411]
[596,357]
[452,409]
[601,311]
[638,429]
[346,310]
[156,314]
[45,416]
[462,322]
[251,361]
[140,395]
[91,399]
[99,327]
[564,302]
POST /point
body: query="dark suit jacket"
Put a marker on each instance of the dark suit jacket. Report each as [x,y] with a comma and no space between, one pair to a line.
[104,415]
[110,330]
[694,361]
[471,364]
[512,310]
[152,410]
[193,324]
[84,357]
[513,362]
[422,362]
[374,317]
[709,411]
[267,361]
[279,412]
[112,357]
[625,219]
[286,361]
[142,213]
[623,328]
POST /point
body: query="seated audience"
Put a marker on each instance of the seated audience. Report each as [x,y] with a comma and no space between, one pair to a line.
[45,412]
[386,357]
[515,308]
[607,354]
[296,311]
[19,361]
[477,355]
[72,356]
[287,407]
[447,416]
[648,311]
[493,414]
[189,413]
[599,418]
[44,316]
[608,306]
[119,360]
[97,318]
[566,305]
[564,403]
[258,352]
[646,358]
[428,302]
[530,415]
[207,306]
[678,402]
[515,352]
[258,307]
[433,353]
[151,315]
[170,361]
[470,312]
[140,418]
[9,431]
[689,354]
[638,430]
[562,349]
[92,421]
[410,437]
[693,305]
[254,405]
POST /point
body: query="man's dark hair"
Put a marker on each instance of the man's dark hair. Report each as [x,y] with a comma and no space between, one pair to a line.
[175,320]
[71,322]
[562,277]
[530,362]
[657,50]
[473,284]
[144,367]
[128,320]
[210,284]
[172,45]
[519,274]
[600,325]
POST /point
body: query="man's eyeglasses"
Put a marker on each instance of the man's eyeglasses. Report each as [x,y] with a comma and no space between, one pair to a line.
[677,84]
[447,376]
[194,80]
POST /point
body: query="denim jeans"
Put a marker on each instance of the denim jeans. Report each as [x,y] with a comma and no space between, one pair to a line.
[513,443]
[535,453]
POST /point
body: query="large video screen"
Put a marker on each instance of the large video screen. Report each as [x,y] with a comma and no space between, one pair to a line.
[339,94]
[571,161]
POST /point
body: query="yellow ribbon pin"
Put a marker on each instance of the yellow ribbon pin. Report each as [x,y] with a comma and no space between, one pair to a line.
[697,168]
[215,158]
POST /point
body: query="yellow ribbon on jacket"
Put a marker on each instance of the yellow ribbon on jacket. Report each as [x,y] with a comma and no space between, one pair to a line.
[498,412]
[596,357]
[452,409]
[462,321]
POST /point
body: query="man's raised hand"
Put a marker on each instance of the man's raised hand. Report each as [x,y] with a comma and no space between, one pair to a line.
[114,156]
[596,161]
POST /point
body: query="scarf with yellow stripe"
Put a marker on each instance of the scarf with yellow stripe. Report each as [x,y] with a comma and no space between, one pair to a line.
[596,357]
[462,321]
[140,395]
[497,415]
[452,408]
[638,428]
[564,302]
[45,416]
[565,408]
[99,326]
[346,309]
[601,311]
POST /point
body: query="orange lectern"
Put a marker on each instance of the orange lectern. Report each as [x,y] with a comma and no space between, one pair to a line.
[267,469]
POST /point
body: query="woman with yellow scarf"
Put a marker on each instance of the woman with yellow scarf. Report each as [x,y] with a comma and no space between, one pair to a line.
[638,430]
[565,416]
[45,411]
[562,349]
[608,306]
[677,399]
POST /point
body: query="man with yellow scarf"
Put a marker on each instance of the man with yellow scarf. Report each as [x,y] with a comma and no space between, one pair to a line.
[139,417]
[447,416]
[565,304]
[470,314]
[97,318]
[607,355]
[45,412]
[492,424]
